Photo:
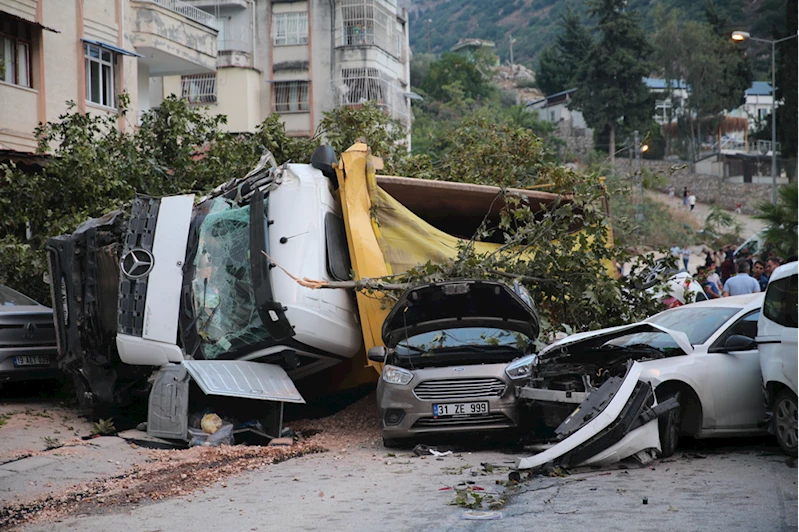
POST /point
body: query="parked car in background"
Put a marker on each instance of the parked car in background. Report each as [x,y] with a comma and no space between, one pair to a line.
[703,355]
[455,352]
[777,343]
[27,338]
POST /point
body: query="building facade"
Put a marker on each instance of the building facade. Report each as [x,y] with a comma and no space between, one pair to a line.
[89,52]
[301,58]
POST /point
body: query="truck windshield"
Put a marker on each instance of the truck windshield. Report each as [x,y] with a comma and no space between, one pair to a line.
[227,318]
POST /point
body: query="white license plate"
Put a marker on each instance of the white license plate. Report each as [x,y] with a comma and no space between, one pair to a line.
[460,409]
[32,360]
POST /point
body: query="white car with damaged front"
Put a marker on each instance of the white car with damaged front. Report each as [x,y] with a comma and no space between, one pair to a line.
[703,355]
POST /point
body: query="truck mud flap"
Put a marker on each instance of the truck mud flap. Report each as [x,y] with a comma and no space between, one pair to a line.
[616,421]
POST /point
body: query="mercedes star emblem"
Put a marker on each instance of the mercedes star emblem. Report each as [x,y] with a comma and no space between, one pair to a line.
[137,263]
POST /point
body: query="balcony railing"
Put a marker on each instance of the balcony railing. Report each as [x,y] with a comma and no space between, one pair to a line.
[356,86]
[367,22]
[188,11]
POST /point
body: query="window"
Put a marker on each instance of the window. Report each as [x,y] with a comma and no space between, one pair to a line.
[291,28]
[99,75]
[780,303]
[362,85]
[365,22]
[291,96]
[199,88]
[15,51]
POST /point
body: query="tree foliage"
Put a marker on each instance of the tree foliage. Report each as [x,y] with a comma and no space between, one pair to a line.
[781,220]
[611,91]
[465,71]
[558,64]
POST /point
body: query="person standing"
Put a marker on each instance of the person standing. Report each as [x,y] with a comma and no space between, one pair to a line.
[710,288]
[692,201]
[742,283]
[671,193]
[686,255]
[772,263]
[714,278]
[685,197]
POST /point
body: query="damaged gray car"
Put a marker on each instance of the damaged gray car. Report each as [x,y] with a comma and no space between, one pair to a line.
[456,351]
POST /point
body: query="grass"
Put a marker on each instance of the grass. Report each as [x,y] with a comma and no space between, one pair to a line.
[662,227]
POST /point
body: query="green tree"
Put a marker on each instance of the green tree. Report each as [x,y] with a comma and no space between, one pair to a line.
[95,168]
[452,68]
[781,220]
[611,92]
[558,64]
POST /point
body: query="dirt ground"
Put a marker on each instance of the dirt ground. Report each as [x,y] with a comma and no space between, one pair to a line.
[338,476]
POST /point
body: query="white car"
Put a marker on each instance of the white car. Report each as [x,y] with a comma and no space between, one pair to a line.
[703,355]
[777,343]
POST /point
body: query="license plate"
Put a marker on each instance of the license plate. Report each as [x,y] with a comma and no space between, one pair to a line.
[32,360]
[460,409]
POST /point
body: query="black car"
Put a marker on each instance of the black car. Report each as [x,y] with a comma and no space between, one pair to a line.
[27,339]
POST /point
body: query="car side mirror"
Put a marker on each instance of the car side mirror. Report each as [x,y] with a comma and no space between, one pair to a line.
[377,353]
[739,342]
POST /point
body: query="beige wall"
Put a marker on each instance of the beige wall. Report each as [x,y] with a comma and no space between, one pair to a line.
[57,64]
[238,97]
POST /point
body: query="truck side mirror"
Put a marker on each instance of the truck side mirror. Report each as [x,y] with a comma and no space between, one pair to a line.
[377,353]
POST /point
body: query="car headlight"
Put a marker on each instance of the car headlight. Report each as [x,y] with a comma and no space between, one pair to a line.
[523,367]
[395,375]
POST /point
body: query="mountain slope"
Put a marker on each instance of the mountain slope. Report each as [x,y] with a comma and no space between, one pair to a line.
[534,23]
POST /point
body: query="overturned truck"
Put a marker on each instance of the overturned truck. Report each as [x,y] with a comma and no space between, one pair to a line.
[181,299]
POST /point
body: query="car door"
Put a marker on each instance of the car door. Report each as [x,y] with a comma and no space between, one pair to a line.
[736,383]
[777,334]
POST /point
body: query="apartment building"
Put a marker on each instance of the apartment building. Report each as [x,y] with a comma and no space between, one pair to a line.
[301,58]
[89,52]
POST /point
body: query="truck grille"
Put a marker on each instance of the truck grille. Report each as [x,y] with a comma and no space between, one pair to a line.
[457,389]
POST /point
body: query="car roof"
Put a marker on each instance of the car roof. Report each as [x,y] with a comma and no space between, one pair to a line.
[748,300]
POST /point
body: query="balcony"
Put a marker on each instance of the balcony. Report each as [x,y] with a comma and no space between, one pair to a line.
[367,23]
[174,37]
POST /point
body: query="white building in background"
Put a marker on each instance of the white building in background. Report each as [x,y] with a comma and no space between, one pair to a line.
[89,52]
[301,58]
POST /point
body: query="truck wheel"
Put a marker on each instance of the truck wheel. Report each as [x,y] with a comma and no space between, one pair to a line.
[785,422]
[670,426]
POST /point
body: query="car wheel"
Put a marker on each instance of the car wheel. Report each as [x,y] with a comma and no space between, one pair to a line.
[785,421]
[669,426]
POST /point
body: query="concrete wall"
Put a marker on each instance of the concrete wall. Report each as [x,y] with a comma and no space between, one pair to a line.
[708,189]
[237,92]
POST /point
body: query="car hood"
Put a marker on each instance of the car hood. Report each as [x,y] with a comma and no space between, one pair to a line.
[453,304]
[597,338]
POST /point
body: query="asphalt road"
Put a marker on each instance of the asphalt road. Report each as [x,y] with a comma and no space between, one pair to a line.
[730,485]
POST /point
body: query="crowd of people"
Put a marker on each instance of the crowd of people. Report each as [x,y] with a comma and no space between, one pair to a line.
[724,274]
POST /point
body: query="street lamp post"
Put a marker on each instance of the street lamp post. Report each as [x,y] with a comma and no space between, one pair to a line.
[741,36]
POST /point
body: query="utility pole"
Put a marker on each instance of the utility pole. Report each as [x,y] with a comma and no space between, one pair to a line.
[639,182]
[428,21]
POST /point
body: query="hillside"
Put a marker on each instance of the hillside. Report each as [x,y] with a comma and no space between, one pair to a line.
[533,23]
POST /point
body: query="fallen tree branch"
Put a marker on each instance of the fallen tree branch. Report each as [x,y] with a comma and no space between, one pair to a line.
[366,283]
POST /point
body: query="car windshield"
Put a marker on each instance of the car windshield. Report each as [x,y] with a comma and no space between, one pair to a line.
[12,298]
[483,339]
[698,323]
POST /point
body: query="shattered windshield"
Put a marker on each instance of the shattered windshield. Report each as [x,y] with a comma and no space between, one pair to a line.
[224,300]
[483,339]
